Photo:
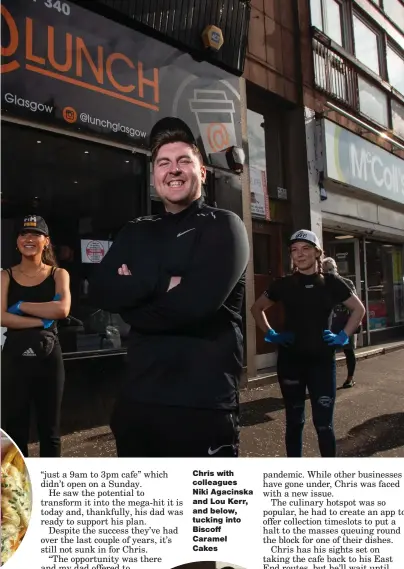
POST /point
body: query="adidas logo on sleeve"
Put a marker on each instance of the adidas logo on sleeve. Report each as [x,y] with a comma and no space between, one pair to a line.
[29,352]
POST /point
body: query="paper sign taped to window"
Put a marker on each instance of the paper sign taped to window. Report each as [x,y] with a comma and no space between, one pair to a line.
[94,250]
[259,196]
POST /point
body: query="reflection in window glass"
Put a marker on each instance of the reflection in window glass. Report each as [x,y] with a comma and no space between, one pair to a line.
[366,45]
[256,140]
[397,112]
[395,68]
[385,285]
[331,25]
[316,18]
[372,102]
[258,167]
[395,11]
[86,192]
[333,18]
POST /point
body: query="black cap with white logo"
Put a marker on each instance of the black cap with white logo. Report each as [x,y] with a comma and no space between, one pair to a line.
[34,224]
[307,236]
[171,124]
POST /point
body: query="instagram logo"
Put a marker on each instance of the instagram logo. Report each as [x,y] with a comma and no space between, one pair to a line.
[69,114]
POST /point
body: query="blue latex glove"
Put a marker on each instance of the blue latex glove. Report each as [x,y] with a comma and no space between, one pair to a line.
[284,338]
[48,323]
[340,339]
[15,308]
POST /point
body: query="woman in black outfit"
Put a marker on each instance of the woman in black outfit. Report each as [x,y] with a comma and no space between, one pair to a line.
[34,294]
[306,357]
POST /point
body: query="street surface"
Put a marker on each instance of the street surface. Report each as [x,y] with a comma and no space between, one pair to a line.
[369,418]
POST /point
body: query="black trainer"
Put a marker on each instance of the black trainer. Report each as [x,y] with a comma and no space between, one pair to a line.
[350,382]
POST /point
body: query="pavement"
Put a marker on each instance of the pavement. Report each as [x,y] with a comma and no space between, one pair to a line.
[369,418]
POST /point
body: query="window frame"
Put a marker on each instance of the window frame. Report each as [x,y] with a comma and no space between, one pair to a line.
[349,10]
[381,43]
[345,34]
[400,53]
[388,17]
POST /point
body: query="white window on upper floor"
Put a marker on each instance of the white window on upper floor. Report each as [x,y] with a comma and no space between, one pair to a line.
[397,112]
[395,69]
[327,16]
[394,9]
[367,44]
[373,102]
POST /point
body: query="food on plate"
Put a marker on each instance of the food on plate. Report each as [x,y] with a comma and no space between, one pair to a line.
[15,502]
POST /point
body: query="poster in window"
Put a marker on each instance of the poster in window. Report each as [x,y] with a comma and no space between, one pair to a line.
[94,250]
[259,195]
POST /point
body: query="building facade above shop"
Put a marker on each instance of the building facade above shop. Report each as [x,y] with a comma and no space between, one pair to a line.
[182,22]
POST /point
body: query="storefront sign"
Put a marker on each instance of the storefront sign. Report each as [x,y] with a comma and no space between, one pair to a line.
[259,194]
[78,70]
[356,162]
[93,251]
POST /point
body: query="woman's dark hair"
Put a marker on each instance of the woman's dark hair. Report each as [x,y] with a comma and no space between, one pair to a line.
[170,136]
[48,255]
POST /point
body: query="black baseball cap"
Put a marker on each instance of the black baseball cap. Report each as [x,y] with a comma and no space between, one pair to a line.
[171,124]
[34,224]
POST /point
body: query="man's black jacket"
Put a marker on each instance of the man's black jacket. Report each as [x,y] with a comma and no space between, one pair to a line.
[186,345]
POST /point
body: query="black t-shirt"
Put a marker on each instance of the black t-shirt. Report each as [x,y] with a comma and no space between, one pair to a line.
[308,302]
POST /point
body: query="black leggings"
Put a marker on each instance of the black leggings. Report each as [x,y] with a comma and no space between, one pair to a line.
[155,431]
[350,361]
[25,380]
[297,372]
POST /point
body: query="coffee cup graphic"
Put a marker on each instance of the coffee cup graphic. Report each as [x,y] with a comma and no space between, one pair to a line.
[214,113]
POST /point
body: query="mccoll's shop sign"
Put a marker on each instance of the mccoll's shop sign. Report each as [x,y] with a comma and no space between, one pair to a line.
[357,162]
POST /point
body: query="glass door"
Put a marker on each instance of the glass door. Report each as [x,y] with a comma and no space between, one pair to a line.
[347,254]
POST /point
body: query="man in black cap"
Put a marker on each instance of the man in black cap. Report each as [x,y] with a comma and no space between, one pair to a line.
[178,279]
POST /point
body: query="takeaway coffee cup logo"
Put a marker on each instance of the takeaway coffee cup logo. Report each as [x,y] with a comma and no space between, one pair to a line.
[214,114]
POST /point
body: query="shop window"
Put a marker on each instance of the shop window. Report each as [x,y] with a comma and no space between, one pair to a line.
[257,163]
[326,15]
[86,192]
[385,285]
[394,9]
[373,102]
[395,68]
[397,111]
[366,44]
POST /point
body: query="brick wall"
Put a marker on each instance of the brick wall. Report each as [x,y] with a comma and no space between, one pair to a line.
[271,54]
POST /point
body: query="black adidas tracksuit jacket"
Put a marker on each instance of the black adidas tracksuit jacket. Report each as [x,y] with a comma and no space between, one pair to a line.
[186,346]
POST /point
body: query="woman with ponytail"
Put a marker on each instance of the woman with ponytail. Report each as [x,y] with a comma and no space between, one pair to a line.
[34,295]
[306,356]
